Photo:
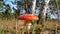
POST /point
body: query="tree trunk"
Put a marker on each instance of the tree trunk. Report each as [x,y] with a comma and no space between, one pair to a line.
[33,6]
[30,6]
[43,11]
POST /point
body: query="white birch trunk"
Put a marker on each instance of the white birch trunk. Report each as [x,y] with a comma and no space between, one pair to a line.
[33,6]
[44,11]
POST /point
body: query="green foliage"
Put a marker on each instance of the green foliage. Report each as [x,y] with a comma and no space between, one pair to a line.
[1,29]
[58,3]
[20,3]
[1,4]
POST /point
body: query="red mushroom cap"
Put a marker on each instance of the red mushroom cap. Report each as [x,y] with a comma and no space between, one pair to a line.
[27,17]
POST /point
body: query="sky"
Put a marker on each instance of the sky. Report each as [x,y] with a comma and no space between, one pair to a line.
[10,2]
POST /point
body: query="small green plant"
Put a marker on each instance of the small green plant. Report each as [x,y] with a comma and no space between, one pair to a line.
[1,29]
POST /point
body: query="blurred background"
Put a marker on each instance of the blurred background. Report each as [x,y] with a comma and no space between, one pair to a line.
[8,8]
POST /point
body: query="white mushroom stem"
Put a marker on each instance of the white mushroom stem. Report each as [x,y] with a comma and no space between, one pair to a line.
[28,24]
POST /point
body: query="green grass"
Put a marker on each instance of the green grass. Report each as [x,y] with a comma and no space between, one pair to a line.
[1,29]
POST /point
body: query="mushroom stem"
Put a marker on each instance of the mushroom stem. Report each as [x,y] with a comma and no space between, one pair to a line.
[28,24]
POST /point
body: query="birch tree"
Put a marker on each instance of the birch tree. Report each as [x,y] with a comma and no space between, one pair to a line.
[43,11]
[33,6]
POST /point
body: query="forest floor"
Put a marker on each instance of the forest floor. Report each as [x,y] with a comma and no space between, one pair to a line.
[10,26]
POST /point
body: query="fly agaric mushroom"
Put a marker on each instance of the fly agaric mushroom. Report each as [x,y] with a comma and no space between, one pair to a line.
[28,17]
